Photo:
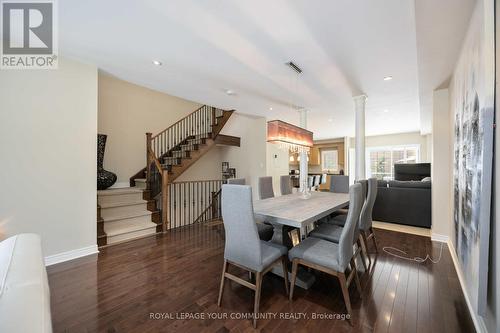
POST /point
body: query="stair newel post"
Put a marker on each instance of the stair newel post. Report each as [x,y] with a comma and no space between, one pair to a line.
[148,159]
[164,200]
[214,119]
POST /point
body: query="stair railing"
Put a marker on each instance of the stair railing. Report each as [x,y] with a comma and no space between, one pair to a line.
[214,209]
[198,124]
[193,202]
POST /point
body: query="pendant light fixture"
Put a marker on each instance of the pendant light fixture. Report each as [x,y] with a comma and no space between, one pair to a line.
[288,136]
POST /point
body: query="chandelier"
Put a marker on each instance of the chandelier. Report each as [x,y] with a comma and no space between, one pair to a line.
[289,137]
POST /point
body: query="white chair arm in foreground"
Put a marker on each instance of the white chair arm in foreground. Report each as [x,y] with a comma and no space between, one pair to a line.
[24,288]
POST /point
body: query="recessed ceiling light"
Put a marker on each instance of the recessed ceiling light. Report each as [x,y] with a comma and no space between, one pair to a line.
[230,92]
[388,78]
[385,111]
[157,63]
[271,109]
[330,120]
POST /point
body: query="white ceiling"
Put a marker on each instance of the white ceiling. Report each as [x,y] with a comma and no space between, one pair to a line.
[344,47]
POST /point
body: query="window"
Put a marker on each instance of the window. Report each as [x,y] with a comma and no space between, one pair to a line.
[329,160]
[381,160]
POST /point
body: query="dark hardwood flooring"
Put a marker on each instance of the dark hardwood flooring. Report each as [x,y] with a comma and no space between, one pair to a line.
[179,273]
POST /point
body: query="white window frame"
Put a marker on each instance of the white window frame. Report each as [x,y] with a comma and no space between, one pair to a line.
[368,150]
[323,151]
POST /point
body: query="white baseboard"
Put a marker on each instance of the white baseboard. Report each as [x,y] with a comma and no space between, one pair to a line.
[478,320]
[70,255]
[121,185]
[402,228]
[439,238]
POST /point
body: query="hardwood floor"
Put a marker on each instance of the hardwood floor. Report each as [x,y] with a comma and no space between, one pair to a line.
[177,275]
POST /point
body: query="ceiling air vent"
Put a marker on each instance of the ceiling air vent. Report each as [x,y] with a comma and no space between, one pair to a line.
[294,67]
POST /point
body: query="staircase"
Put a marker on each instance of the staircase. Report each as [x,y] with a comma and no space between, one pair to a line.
[125,214]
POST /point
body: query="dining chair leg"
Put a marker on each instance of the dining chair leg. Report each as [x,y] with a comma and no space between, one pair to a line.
[374,240]
[345,293]
[361,254]
[356,278]
[222,279]
[258,285]
[295,264]
[364,242]
[285,274]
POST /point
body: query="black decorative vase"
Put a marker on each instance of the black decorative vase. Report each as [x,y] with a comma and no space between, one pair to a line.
[104,178]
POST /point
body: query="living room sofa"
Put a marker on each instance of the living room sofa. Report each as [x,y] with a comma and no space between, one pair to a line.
[403,202]
[406,200]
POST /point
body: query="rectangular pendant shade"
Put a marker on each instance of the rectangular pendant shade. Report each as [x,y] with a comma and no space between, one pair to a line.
[281,132]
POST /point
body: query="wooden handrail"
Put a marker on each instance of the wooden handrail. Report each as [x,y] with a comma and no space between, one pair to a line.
[198,181]
[155,160]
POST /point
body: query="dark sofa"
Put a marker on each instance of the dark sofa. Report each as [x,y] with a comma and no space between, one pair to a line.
[412,171]
[407,200]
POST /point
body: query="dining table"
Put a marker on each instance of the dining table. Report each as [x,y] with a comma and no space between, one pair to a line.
[291,211]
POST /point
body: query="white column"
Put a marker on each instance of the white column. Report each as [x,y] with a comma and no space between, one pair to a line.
[359,107]
[304,172]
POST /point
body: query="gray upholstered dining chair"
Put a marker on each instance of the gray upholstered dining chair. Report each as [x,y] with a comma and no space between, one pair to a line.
[236,181]
[266,187]
[331,229]
[285,185]
[366,225]
[365,220]
[243,247]
[332,258]
[323,178]
[339,184]
[310,182]
[317,180]
[266,231]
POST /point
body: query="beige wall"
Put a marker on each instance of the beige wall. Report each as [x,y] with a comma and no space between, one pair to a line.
[442,153]
[277,161]
[249,159]
[126,112]
[208,167]
[430,150]
[398,139]
[48,130]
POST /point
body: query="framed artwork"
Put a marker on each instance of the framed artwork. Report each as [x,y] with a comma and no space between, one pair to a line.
[473,89]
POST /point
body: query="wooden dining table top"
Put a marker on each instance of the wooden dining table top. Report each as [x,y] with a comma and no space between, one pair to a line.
[294,211]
